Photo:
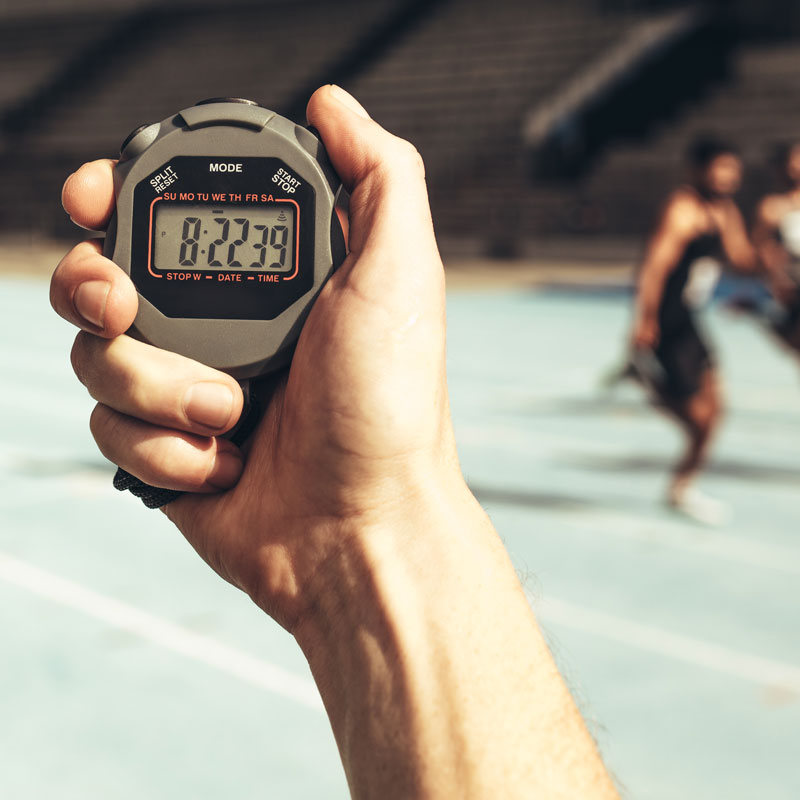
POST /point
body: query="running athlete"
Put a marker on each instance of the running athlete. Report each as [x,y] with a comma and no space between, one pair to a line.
[700,228]
[776,235]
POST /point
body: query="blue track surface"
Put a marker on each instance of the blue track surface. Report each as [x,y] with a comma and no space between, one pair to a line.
[128,670]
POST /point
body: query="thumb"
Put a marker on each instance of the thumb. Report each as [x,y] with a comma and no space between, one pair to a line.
[384,175]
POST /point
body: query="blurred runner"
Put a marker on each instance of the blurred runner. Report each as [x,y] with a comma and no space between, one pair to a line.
[776,235]
[699,230]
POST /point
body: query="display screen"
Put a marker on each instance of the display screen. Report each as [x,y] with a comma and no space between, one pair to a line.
[248,238]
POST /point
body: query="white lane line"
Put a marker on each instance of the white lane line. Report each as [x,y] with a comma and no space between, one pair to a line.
[762,671]
[160,632]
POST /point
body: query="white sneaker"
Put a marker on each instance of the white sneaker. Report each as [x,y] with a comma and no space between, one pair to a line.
[699,507]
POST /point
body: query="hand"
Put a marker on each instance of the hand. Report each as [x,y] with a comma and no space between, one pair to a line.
[348,520]
[358,430]
[646,333]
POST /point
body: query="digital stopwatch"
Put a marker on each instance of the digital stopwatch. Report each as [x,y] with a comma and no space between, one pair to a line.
[225,222]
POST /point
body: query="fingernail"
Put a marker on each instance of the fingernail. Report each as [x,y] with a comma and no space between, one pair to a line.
[346,99]
[90,300]
[226,470]
[208,404]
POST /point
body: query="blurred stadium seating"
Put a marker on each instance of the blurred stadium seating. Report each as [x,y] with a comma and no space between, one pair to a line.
[460,78]
[757,108]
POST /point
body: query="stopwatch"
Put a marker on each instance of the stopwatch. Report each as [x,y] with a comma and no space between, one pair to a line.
[225,221]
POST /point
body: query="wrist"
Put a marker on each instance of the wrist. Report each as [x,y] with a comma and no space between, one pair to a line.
[645,315]
[438,539]
[388,574]
[404,637]
[424,529]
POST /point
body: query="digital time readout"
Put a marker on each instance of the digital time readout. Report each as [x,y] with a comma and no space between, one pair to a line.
[207,237]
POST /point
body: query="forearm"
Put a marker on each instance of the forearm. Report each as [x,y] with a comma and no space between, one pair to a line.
[434,673]
[772,257]
[740,253]
[649,294]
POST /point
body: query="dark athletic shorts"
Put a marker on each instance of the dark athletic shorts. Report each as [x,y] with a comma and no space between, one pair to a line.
[788,326]
[684,358]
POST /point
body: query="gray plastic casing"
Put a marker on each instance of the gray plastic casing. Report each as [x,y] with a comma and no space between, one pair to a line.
[242,348]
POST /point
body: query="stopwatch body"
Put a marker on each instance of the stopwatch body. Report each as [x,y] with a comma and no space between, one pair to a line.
[225,222]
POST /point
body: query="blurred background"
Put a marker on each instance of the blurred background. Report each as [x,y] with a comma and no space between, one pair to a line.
[551,133]
[570,116]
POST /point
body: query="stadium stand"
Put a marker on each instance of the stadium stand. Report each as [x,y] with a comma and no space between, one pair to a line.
[459,89]
[460,78]
[262,52]
[758,108]
[32,50]
[156,58]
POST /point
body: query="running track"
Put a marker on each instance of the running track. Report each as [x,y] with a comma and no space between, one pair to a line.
[128,670]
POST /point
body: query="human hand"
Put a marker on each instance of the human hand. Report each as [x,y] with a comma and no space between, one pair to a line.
[358,430]
[646,333]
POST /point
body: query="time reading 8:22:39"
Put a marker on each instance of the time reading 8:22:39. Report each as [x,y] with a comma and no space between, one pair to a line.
[200,237]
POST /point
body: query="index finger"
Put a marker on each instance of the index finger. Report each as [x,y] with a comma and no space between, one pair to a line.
[88,194]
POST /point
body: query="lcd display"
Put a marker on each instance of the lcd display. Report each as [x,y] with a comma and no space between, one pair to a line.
[207,237]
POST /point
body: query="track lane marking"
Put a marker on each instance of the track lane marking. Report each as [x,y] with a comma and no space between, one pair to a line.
[697,652]
[161,632]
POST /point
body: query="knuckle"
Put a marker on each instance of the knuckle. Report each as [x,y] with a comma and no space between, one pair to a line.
[88,358]
[138,399]
[95,422]
[79,357]
[170,461]
[61,284]
[77,265]
[179,462]
[83,252]
[105,429]
[121,377]
[408,157]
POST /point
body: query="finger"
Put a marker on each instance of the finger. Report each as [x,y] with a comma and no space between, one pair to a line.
[156,386]
[88,194]
[344,221]
[92,292]
[383,173]
[165,458]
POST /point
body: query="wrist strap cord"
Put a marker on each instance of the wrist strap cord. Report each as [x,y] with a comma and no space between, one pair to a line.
[155,497]
[151,496]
